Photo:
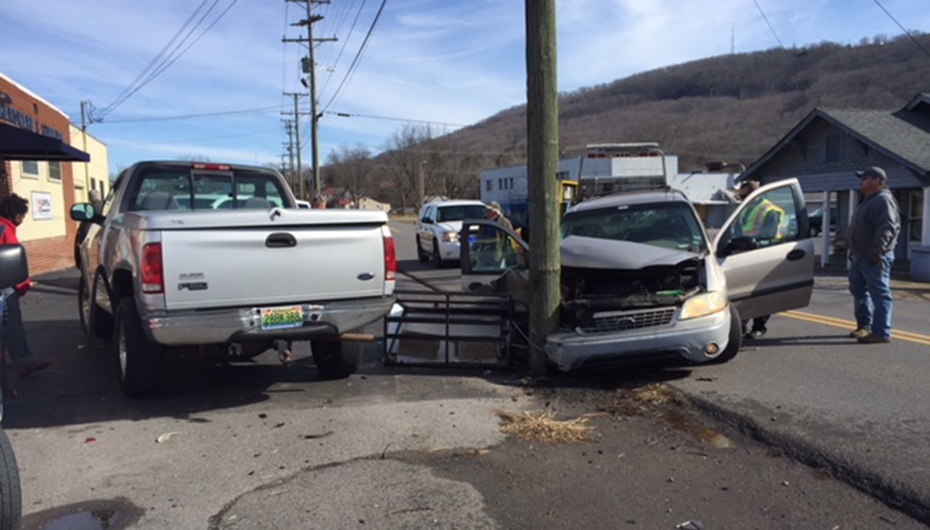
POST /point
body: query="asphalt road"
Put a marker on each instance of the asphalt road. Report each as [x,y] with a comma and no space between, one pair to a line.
[262,445]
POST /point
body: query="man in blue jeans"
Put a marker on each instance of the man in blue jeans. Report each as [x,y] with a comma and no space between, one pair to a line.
[871,238]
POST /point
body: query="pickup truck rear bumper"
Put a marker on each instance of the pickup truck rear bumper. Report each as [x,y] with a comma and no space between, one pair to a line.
[218,326]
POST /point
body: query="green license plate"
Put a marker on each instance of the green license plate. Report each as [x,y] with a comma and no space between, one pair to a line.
[282,317]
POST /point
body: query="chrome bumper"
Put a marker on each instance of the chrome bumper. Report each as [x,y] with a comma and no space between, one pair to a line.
[688,338]
[189,328]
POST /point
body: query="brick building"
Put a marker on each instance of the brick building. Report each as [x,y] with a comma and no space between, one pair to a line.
[38,163]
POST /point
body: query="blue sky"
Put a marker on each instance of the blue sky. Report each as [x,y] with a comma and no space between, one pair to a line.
[442,61]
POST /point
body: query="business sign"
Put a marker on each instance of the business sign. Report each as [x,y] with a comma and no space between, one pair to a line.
[41,206]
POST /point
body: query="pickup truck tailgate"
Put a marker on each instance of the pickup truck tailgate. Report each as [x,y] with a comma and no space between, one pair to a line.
[252,266]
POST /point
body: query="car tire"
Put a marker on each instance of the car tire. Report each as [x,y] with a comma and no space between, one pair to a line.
[336,359]
[437,257]
[420,254]
[139,360]
[736,338]
[11,497]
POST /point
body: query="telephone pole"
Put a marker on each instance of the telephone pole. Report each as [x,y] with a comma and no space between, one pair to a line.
[542,121]
[310,68]
[289,126]
[296,114]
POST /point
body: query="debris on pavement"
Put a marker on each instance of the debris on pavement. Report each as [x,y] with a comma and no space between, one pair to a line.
[543,426]
[691,525]
[636,401]
[165,437]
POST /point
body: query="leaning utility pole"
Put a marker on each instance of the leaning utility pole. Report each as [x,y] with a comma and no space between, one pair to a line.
[542,122]
[310,64]
[300,177]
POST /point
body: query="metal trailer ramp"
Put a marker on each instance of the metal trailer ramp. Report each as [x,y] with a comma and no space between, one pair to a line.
[429,328]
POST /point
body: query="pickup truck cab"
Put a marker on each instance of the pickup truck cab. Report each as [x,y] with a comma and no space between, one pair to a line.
[641,280]
[439,226]
[218,259]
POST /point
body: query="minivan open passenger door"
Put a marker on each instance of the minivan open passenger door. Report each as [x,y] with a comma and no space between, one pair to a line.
[494,259]
[765,252]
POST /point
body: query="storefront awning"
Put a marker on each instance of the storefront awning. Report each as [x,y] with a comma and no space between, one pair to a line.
[20,144]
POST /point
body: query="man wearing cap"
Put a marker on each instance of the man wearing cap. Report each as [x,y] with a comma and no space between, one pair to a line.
[871,239]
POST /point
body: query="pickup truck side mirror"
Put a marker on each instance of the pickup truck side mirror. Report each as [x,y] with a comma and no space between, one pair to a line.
[84,211]
[426,221]
[14,269]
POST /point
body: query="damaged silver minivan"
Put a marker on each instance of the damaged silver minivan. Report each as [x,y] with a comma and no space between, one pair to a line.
[641,280]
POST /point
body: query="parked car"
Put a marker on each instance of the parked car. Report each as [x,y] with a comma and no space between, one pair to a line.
[816,220]
[438,229]
[641,280]
[231,278]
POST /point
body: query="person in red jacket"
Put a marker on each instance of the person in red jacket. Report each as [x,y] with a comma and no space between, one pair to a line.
[13,211]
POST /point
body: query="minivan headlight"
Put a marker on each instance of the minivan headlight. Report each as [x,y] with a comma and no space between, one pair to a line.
[702,305]
[450,237]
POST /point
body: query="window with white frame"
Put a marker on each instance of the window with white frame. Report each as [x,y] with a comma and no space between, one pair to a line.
[30,168]
[489,184]
[54,171]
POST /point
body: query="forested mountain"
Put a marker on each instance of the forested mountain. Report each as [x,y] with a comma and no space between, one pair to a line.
[729,108]
[732,107]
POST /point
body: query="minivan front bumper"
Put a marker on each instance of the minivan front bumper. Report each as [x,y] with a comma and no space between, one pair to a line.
[570,350]
[219,326]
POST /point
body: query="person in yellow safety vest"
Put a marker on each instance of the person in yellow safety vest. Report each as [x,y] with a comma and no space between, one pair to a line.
[763,220]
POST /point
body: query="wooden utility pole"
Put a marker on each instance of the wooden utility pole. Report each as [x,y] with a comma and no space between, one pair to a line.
[310,68]
[300,176]
[542,94]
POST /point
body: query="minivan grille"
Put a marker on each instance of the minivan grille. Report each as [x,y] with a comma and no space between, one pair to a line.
[624,320]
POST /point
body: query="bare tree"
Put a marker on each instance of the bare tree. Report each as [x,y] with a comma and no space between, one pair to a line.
[350,168]
[405,161]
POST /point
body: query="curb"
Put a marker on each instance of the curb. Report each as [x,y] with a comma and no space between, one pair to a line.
[895,494]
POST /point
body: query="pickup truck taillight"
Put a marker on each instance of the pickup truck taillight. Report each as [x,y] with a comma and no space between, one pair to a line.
[390,259]
[153,278]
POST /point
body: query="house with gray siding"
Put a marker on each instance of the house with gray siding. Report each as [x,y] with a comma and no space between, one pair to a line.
[829,145]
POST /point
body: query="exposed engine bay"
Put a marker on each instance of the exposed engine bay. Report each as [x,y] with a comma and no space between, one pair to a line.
[612,299]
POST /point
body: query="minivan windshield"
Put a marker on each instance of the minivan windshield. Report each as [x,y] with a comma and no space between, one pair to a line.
[667,225]
[459,213]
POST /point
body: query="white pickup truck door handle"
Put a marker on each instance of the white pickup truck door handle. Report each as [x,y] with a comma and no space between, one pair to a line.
[281,240]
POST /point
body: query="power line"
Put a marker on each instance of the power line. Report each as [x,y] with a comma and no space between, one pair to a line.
[166,63]
[358,56]
[193,116]
[344,44]
[906,32]
[771,28]
[158,57]
[408,120]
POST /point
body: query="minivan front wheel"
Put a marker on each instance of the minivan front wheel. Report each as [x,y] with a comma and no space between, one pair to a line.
[736,338]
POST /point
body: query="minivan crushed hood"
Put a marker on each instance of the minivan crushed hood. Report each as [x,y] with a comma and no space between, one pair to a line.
[594,253]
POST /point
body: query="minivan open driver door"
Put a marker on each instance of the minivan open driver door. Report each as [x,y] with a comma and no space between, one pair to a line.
[765,251]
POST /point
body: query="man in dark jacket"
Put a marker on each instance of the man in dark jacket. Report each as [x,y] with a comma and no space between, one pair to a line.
[871,239]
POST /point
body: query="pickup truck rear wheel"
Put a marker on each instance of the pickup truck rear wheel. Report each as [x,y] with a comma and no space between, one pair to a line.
[736,338]
[336,359]
[11,503]
[141,361]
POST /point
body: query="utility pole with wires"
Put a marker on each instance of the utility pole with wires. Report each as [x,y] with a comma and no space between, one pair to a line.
[309,67]
[297,115]
[289,127]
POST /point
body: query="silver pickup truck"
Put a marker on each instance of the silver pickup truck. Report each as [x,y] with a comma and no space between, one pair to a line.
[217,259]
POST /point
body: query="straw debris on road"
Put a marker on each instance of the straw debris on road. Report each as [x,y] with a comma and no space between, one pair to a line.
[542,426]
